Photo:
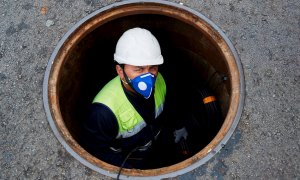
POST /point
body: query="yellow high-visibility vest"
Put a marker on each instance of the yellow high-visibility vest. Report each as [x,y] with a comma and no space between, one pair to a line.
[129,120]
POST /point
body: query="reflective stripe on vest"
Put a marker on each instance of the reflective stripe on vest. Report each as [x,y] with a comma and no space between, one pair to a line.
[129,120]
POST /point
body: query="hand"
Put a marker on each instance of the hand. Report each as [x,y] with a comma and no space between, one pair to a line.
[180,133]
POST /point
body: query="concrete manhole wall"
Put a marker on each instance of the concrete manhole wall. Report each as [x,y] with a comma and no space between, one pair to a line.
[191,44]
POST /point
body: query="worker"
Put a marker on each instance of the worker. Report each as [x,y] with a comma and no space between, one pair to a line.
[125,119]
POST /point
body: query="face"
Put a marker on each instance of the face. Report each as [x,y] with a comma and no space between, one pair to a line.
[134,71]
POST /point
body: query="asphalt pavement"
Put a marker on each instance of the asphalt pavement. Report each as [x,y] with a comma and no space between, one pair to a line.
[266,35]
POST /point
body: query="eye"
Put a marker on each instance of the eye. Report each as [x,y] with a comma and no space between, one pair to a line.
[139,69]
[153,68]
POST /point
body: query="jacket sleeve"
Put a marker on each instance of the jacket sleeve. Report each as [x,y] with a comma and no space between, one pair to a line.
[99,132]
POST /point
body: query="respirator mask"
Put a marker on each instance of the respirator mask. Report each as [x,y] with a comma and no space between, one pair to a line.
[143,84]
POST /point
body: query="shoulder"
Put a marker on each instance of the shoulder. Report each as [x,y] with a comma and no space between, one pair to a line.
[160,80]
[110,92]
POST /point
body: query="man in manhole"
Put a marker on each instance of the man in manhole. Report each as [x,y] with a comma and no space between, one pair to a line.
[126,126]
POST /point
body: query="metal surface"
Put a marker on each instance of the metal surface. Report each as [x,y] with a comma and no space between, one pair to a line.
[217,48]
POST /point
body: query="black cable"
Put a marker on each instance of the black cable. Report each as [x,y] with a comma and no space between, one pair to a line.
[128,155]
[212,109]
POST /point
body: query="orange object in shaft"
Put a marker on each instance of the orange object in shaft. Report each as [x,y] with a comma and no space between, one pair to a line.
[209,99]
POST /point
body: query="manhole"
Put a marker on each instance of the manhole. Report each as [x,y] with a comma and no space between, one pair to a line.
[82,63]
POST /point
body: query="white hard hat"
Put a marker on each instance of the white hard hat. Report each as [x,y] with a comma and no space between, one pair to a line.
[138,47]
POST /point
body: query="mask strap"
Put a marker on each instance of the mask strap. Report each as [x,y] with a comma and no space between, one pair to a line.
[127,80]
[124,82]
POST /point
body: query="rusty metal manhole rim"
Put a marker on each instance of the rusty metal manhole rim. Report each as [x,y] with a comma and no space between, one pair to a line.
[156,175]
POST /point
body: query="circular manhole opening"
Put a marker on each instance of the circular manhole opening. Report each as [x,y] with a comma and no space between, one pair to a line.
[191,44]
